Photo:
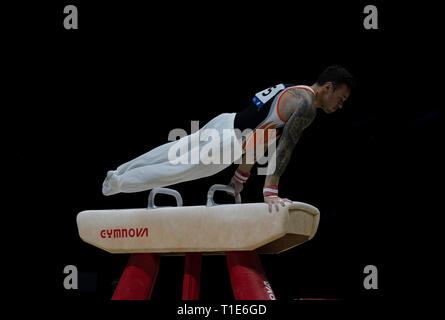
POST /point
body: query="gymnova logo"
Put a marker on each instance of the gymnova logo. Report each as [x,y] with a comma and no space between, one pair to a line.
[123,233]
[224,146]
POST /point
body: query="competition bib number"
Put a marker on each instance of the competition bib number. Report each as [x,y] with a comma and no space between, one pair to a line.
[263,96]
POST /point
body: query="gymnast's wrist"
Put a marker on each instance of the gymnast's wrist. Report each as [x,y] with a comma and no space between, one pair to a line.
[270,191]
[241,176]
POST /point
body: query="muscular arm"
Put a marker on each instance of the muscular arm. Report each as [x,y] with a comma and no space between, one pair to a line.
[244,166]
[302,112]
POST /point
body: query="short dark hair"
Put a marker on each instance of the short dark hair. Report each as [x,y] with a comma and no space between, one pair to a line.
[338,76]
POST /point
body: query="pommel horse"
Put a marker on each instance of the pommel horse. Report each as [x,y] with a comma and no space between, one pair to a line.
[241,231]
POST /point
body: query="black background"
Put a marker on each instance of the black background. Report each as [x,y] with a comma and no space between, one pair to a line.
[101,95]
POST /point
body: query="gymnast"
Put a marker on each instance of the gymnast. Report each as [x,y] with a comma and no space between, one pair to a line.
[290,108]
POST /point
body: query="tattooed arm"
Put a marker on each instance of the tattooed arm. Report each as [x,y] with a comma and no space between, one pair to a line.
[299,108]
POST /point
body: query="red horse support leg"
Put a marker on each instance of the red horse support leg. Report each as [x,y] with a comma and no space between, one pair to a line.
[192,276]
[138,279]
[247,276]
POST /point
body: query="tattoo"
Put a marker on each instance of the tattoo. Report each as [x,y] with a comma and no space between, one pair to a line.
[298,121]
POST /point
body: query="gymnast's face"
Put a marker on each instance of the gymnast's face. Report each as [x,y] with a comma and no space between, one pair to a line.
[333,99]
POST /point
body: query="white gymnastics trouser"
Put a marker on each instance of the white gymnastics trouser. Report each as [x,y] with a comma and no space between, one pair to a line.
[156,168]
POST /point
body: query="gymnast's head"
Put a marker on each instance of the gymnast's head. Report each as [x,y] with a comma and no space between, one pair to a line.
[333,88]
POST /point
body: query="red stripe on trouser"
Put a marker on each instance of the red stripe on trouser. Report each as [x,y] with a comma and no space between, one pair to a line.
[192,276]
[138,279]
[247,276]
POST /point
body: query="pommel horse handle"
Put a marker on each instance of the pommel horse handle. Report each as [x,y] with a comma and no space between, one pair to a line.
[220,187]
[155,191]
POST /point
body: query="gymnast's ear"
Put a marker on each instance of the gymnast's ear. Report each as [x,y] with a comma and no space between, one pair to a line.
[328,86]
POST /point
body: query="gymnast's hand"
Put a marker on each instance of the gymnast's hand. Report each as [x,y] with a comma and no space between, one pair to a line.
[238,186]
[274,200]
